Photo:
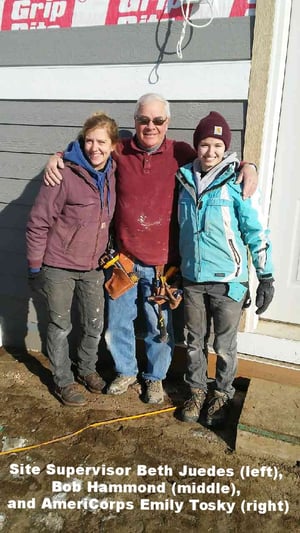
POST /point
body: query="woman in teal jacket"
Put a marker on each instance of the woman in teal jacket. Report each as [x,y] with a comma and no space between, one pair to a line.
[217,229]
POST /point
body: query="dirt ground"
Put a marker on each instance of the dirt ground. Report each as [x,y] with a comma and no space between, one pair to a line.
[148,474]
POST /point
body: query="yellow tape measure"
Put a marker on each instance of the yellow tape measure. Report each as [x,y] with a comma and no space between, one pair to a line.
[112,261]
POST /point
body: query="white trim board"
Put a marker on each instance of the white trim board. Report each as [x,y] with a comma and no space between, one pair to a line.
[226,80]
[278,349]
[276,78]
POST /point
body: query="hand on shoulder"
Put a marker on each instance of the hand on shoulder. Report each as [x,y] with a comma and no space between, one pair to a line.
[52,175]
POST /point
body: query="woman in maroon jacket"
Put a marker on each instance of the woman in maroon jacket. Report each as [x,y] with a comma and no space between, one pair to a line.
[67,232]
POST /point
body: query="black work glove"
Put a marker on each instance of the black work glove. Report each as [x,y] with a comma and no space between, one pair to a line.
[264,295]
[36,280]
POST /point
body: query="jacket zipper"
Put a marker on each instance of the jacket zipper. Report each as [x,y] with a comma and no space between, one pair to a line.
[100,211]
[217,186]
[199,204]
[98,231]
[236,256]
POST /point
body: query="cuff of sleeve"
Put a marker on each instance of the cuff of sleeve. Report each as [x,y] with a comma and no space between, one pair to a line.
[247,163]
[35,264]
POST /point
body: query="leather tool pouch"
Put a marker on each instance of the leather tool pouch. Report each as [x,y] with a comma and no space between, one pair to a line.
[122,279]
[163,292]
[174,295]
[167,294]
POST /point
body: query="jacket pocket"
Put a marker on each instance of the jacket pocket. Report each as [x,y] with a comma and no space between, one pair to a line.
[72,238]
[65,233]
[216,211]
[183,210]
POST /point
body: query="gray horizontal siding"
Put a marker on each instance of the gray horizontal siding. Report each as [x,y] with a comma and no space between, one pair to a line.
[21,165]
[224,39]
[30,131]
[19,191]
[73,114]
[32,139]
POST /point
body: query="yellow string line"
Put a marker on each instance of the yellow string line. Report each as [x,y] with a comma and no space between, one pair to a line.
[94,425]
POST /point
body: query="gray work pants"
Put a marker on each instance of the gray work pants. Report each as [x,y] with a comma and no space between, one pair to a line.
[60,286]
[204,302]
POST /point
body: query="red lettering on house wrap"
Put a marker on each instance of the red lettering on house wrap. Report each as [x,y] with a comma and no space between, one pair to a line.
[25,14]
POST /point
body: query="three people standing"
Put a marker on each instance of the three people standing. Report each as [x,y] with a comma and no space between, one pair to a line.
[146,230]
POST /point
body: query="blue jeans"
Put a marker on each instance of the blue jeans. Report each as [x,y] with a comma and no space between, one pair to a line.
[203,302]
[59,287]
[120,334]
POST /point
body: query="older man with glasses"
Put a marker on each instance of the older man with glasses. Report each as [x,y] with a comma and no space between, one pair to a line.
[145,226]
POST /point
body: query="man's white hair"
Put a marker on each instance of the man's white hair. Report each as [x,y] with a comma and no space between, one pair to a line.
[152,97]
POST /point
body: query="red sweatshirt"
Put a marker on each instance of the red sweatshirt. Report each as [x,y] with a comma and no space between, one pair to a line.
[146,209]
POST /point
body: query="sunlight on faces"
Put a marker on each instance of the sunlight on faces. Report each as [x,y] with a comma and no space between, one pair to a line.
[97,147]
[151,135]
[210,152]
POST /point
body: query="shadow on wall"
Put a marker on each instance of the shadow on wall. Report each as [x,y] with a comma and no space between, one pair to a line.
[16,315]
[23,312]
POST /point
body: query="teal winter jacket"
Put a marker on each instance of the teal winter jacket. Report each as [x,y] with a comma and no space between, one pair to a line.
[217,227]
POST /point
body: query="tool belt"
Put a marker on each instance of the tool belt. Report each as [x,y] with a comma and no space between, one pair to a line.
[122,278]
[162,291]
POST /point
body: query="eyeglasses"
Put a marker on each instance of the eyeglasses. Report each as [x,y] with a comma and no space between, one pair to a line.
[145,121]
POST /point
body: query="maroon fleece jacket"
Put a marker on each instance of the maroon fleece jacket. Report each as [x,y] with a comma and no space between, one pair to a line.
[146,209]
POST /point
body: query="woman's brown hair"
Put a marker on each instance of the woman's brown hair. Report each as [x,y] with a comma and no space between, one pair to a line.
[100,120]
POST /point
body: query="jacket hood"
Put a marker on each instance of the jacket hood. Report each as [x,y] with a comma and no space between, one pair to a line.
[211,175]
[74,154]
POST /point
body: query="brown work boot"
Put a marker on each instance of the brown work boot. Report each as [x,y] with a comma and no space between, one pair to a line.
[192,407]
[70,395]
[154,391]
[93,382]
[218,409]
